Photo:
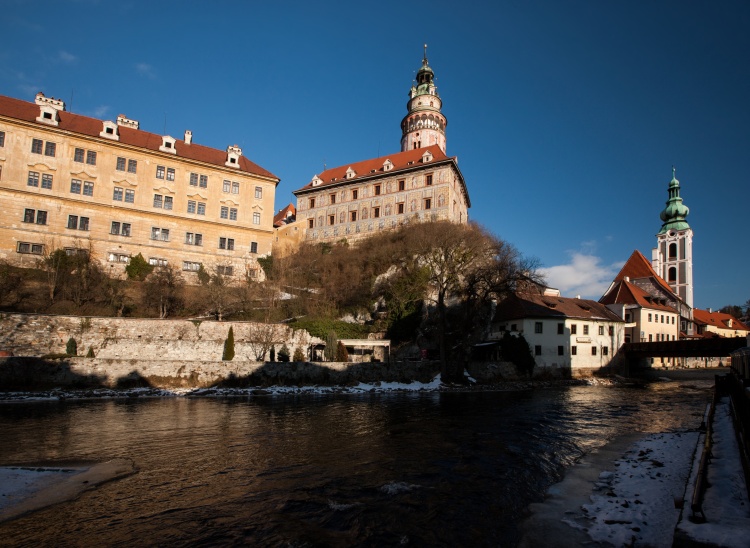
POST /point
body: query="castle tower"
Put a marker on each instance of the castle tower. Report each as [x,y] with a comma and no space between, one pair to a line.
[424,125]
[672,258]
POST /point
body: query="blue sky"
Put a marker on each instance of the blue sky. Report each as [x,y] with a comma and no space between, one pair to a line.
[566,117]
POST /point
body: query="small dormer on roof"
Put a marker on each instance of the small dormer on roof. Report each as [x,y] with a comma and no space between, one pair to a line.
[316,180]
[427,157]
[123,121]
[387,165]
[48,109]
[167,144]
[350,173]
[233,156]
[109,131]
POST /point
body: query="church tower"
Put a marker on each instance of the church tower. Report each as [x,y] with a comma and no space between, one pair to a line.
[672,258]
[424,125]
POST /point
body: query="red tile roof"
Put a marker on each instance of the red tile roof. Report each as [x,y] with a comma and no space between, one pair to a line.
[280,218]
[718,319]
[533,305]
[374,166]
[623,292]
[76,123]
[637,266]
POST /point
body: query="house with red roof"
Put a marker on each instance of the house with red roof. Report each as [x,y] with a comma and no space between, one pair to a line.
[113,190]
[718,324]
[419,183]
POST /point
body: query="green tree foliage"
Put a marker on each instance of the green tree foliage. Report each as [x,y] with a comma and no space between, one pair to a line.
[330,350]
[272,354]
[299,356]
[516,349]
[341,354]
[138,268]
[322,327]
[90,353]
[267,264]
[229,346]
[283,354]
[203,275]
[71,347]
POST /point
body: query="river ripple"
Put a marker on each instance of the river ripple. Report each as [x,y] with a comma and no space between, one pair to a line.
[438,469]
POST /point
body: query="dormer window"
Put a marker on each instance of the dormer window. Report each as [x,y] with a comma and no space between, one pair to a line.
[426,157]
[387,165]
[168,144]
[109,131]
[233,156]
[350,173]
[48,115]
[316,181]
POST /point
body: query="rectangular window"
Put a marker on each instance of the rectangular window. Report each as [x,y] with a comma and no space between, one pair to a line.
[115,228]
[224,213]
[605,350]
[160,234]
[75,186]
[649,316]
[203,181]
[191,206]
[593,351]
[88,188]
[41,217]
[33,179]
[611,330]
[331,219]
[428,180]
[235,188]
[601,330]
[29,215]
[376,212]
[118,258]
[560,350]
[129,196]
[47,181]
[377,190]
[253,247]
[256,218]
[158,200]
[538,350]
[132,166]
[573,329]
[310,223]
[83,223]
[159,172]
[78,155]
[193,179]
[36,146]
[402,185]
[353,216]
[399,208]
[585,329]
[332,198]
[154,261]
[91,157]
[538,327]
[34,249]
[167,202]
[561,329]
[662,318]
[193,238]
[224,270]
[226,243]
[73,221]
[428,203]
[258,193]
[190,266]
[120,166]
[125,229]
[170,174]
[573,350]
[672,320]
[49,149]
[311,203]
[2,139]
[355,194]
[650,338]
[233,214]
[201,208]
[226,186]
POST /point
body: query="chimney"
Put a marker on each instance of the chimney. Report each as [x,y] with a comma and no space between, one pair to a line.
[710,311]
[627,279]
[188,137]
[123,121]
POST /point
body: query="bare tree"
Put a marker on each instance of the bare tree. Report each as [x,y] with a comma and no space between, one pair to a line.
[263,336]
[163,290]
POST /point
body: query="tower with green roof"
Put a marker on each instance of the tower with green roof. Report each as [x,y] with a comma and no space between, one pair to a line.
[673,256]
[424,124]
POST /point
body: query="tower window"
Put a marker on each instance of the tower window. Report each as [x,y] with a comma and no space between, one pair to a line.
[672,251]
[672,276]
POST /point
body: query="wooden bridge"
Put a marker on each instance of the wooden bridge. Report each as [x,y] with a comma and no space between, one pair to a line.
[718,347]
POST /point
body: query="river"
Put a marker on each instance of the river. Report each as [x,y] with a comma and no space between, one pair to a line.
[429,469]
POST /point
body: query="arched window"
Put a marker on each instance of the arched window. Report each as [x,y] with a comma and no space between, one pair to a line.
[672,251]
[672,274]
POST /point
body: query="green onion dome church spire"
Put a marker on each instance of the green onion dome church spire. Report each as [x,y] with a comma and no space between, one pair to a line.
[424,124]
[673,216]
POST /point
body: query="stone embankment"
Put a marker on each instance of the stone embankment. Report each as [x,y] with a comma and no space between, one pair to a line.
[170,354]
